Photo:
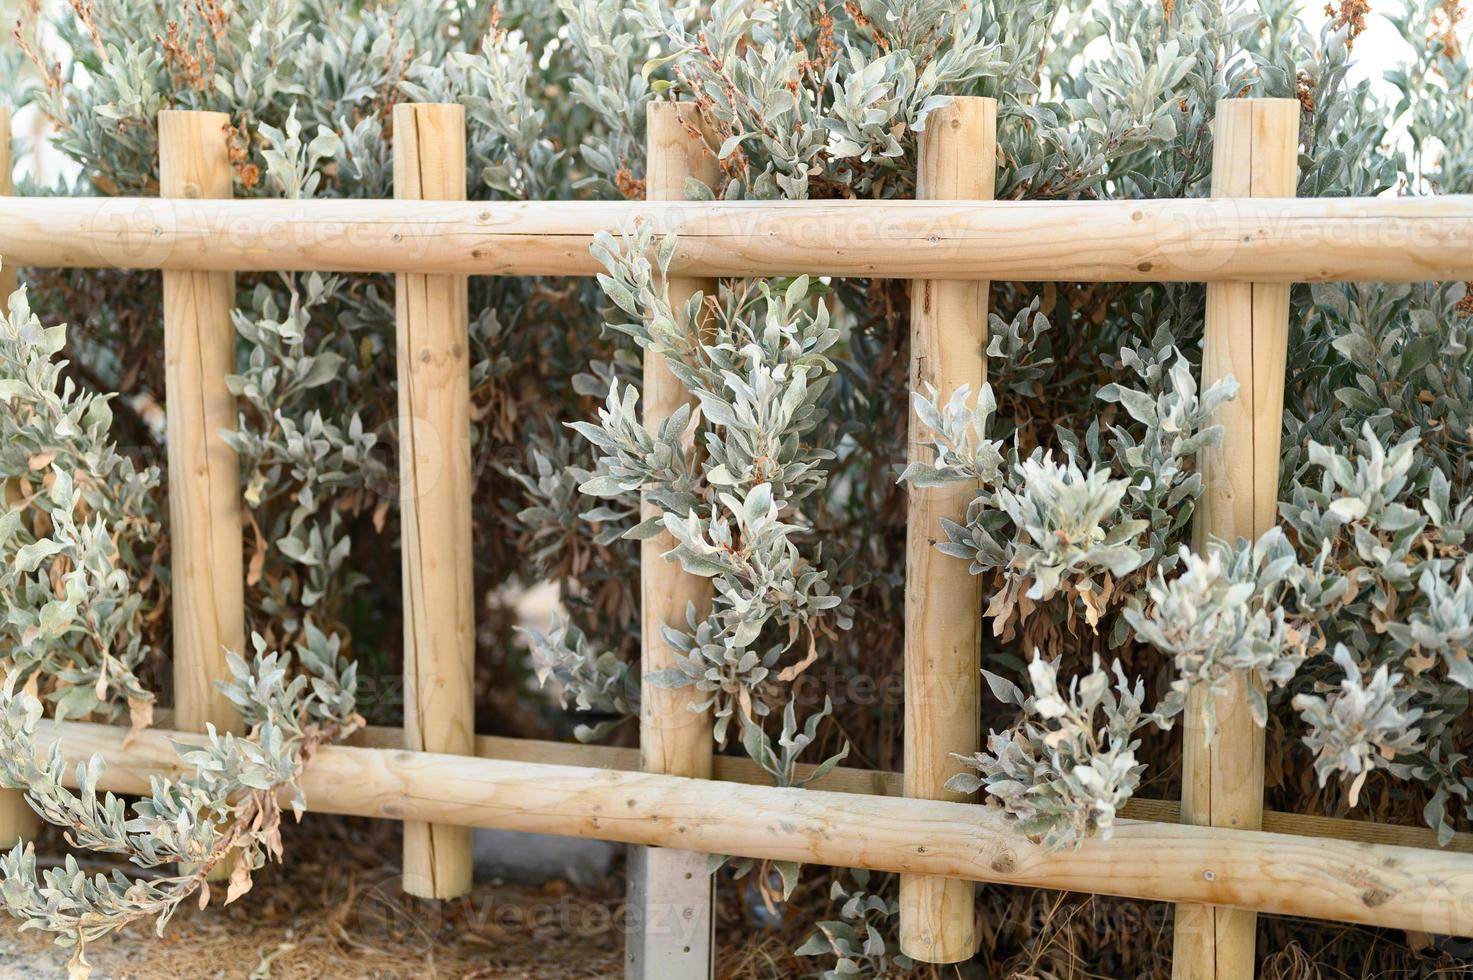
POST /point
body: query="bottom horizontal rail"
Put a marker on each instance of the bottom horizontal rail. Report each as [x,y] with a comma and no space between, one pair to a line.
[1372,884]
[879,782]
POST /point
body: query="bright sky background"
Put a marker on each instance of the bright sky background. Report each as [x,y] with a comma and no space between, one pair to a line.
[1377,50]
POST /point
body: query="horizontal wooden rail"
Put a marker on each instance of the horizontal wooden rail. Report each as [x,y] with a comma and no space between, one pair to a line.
[880,782]
[1372,884]
[1408,239]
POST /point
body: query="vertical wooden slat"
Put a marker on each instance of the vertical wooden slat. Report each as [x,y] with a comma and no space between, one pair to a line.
[204,473]
[1247,336]
[670,887]
[17,820]
[943,600]
[7,188]
[435,485]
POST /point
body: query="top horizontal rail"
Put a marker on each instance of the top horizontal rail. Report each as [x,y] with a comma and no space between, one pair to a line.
[1409,239]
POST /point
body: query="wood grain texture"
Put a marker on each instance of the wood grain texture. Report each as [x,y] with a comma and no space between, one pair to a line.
[7,188]
[17,820]
[879,782]
[1412,239]
[943,599]
[1247,337]
[1374,884]
[206,559]
[433,337]
[672,738]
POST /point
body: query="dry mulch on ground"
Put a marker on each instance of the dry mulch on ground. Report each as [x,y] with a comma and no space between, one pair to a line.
[336,910]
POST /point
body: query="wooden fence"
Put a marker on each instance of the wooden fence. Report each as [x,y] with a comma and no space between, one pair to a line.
[1216,854]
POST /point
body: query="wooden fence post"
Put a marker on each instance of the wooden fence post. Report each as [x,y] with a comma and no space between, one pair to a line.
[670,922]
[17,820]
[204,473]
[1247,336]
[433,328]
[8,280]
[943,600]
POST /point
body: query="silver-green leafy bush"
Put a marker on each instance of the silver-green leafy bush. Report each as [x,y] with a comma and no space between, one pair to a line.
[227,813]
[1385,542]
[1073,528]
[76,518]
[1222,613]
[77,515]
[1064,771]
[596,681]
[855,940]
[728,478]
[1363,726]
[1090,429]
[782,765]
